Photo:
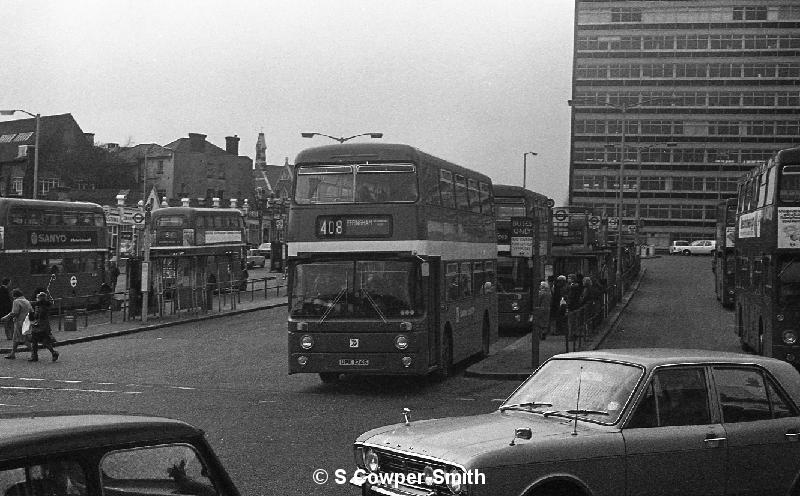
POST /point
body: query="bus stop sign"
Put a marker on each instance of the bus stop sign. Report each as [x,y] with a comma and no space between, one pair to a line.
[522,229]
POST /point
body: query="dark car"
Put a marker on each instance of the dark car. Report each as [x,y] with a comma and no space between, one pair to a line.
[614,422]
[111,455]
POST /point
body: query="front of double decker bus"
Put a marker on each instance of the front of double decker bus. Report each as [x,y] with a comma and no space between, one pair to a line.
[358,282]
[786,333]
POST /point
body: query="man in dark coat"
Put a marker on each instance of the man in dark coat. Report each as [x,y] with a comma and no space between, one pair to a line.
[5,306]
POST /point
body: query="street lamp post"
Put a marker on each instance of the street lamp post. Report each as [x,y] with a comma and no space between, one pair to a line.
[35,146]
[525,165]
[342,140]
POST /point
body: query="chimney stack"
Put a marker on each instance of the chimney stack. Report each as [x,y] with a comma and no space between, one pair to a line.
[233,202]
[197,142]
[232,145]
[215,202]
[185,202]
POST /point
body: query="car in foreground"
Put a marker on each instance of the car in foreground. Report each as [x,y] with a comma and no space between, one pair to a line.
[611,422]
[111,455]
[255,259]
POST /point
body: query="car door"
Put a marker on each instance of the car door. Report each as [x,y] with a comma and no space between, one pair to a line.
[673,443]
[763,431]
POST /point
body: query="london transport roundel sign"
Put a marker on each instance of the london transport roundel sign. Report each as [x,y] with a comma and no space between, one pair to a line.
[138,217]
[73,281]
[561,215]
[594,221]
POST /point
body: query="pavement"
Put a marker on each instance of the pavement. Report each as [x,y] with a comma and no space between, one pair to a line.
[102,325]
[514,360]
[509,358]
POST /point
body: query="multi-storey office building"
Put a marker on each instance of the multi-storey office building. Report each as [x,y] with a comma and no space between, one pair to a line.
[693,92]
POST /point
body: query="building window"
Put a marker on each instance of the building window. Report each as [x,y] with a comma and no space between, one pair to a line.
[750,13]
[626,14]
[16,186]
[160,167]
[723,128]
[45,185]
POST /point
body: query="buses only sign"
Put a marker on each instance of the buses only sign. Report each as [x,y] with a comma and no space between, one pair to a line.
[522,229]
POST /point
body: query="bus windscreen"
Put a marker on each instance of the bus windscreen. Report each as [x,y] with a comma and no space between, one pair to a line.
[790,184]
[366,183]
[365,289]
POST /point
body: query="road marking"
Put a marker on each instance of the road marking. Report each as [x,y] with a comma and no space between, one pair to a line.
[29,379]
[29,388]
[498,400]
[465,399]
[181,387]
[77,382]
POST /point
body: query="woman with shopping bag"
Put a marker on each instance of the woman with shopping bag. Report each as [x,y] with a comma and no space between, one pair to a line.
[20,310]
[41,332]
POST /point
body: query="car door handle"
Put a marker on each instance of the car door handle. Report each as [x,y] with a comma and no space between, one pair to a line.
[793,435]
[713,442]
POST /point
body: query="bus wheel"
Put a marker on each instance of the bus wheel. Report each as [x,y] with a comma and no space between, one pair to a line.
[329,377]
[486,338]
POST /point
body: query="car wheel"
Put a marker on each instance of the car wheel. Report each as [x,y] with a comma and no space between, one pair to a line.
[687,253]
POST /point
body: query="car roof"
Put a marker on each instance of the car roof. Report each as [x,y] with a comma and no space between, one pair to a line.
[650,358]
[41,435]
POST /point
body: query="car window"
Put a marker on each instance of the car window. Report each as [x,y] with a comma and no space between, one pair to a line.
[56,477]
[745,396]
[164,469]
[675,396]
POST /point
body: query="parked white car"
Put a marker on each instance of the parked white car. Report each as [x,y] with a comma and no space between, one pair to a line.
[677,246]
[699,247]
[255,258]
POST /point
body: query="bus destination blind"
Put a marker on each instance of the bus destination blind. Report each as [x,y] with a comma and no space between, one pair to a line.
[354,226]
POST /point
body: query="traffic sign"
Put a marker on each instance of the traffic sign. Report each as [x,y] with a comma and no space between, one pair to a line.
[73,281]
[522,229]
[560,215]
[594,221]
[138,217]
[551,203]
[612,223]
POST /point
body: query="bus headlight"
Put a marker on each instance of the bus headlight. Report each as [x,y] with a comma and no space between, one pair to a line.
[371,461]
[514,306]
[455,480]
[302,360]
[789,337]
[401,342]
[406,361]
[306,342]
[779,317]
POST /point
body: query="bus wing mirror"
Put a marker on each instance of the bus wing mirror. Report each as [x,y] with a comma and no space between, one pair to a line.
[425,269]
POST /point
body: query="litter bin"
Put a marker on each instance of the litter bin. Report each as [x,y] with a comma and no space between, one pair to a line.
[70,322]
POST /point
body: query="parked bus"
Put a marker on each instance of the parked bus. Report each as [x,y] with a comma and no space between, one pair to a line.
[392,261]
[195,250]
[724,261]
[768,257]
[518,277]
[57,246]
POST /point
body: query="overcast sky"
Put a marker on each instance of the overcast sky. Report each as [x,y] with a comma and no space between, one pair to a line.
[476,83]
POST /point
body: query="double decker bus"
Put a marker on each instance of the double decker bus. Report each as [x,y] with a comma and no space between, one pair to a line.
[392,262]
[57,246]
[194,249]
[724,256]
[518,277]
[768,257]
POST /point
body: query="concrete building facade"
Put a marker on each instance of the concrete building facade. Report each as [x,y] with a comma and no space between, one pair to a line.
[693,92]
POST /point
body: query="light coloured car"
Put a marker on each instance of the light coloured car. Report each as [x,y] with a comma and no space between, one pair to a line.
[699,247]
[255,259]
[677,246]
[265,249]
[609,422]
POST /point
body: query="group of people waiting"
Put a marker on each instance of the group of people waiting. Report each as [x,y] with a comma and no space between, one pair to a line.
[16,310]
[568,294]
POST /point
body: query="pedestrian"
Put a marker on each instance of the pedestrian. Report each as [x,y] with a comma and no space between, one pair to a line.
[42,333]
[574,290]
[5,306]
[543,304]
[113,272]
[20,309]
[558,305]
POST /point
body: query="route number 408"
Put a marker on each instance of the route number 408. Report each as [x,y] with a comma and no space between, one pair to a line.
[331,227]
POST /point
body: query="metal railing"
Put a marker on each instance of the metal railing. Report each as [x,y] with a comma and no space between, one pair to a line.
[124,306]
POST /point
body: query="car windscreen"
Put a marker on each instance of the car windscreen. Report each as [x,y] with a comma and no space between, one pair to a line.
[605,388]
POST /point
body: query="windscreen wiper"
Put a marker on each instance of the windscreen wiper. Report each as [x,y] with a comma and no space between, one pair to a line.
[375,306]
[583,411]
[332,304]
[527,406]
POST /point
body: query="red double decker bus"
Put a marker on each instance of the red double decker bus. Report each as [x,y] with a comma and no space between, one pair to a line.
[57,246]
[517,277]
[392,262]
[768,258]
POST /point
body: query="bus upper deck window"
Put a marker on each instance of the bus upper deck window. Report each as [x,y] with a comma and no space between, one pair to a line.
[386,183]
[789,185]
[324,184]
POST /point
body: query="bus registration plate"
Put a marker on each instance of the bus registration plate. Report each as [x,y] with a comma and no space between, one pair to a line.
[352,362]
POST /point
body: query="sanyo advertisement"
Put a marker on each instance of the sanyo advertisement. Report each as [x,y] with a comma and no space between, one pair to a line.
[789,227]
